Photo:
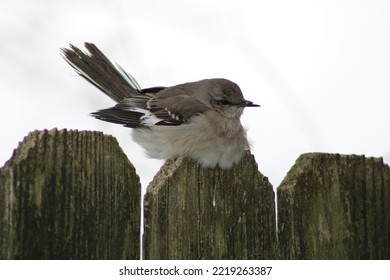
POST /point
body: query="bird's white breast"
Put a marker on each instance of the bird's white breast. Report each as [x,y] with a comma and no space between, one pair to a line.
[211,142]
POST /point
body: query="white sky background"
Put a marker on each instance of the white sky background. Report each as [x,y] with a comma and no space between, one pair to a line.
[320,69]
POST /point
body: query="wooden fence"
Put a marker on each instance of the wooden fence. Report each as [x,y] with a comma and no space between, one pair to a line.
[74,195]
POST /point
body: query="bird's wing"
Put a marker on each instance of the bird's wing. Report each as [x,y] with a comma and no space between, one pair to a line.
[150,109]
[179,107]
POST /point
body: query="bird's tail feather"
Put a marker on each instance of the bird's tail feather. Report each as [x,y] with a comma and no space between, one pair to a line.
[97,69]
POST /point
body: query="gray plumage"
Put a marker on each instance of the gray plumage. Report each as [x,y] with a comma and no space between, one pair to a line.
[198,119]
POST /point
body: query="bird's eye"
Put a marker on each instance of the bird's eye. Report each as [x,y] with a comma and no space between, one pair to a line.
[224,102]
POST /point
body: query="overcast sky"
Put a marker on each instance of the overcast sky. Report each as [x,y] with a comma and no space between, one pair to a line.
[319,69]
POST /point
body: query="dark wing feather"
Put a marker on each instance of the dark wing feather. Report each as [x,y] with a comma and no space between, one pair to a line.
[152,89]
[119,116]
[129,112]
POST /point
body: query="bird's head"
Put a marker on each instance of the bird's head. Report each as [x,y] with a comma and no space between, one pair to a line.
[226,98]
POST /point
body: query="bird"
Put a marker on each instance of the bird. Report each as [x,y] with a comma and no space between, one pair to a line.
[200,119]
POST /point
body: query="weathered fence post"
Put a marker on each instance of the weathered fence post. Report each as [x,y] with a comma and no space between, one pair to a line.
[74,195]
[203,213]
[69,195]
[332,206]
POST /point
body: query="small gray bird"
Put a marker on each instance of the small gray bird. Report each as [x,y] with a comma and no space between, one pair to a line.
[200,120]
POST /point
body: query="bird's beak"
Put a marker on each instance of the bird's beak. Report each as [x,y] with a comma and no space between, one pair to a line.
[248,103]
